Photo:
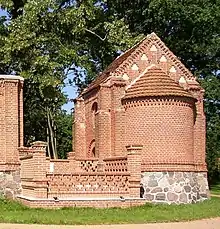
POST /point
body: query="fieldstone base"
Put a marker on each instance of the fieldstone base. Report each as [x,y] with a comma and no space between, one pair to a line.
[175,187]
[10,184]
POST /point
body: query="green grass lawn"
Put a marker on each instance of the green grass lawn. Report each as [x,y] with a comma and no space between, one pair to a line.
[13,212]
[215,189]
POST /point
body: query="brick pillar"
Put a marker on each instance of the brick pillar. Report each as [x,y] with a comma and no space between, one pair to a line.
[134,167]
[40,169]
[11,121]
[79,129]
[21,114]
[199,132]
[103,124]
[73,165]
[118,118]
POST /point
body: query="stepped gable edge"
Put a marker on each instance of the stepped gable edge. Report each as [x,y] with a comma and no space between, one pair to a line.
[120,63]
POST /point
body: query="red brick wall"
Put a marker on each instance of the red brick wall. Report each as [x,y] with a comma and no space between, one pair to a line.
[164,128]
[90,115]
[106,131]
[77,177]
[152,51]
[103,123]
[27,175]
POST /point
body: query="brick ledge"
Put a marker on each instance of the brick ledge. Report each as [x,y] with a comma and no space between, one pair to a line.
[79,199]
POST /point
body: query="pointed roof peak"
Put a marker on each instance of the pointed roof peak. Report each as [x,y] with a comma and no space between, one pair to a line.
[152,35]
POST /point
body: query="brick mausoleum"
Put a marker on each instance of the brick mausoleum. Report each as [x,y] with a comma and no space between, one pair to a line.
[139,135]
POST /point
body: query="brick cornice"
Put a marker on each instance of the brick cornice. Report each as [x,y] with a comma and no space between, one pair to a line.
[150,101]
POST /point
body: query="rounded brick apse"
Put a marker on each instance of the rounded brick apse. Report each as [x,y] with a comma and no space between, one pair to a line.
[160,116]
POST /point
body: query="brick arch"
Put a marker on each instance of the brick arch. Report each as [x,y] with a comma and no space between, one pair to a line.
[92,149]
[94,109]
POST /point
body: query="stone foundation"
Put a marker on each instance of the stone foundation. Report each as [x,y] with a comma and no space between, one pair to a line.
[174,187]
[10,184]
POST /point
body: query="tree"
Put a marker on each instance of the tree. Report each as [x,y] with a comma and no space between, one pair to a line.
[64,133]
[212,108]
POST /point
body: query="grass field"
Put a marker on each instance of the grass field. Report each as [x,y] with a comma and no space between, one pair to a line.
[13,212]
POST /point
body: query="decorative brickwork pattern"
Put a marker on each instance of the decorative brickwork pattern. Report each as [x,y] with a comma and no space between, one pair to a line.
[89,177]
[118,164]
[88,165]
[99,184]
[57,165]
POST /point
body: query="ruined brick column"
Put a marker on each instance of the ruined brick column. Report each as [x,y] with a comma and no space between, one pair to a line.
[134,167]
[11,129]
[11,121]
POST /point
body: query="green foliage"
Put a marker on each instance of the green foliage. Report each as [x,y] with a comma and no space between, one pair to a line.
[47,42]
[64,133]
[35,102]
[212,109]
